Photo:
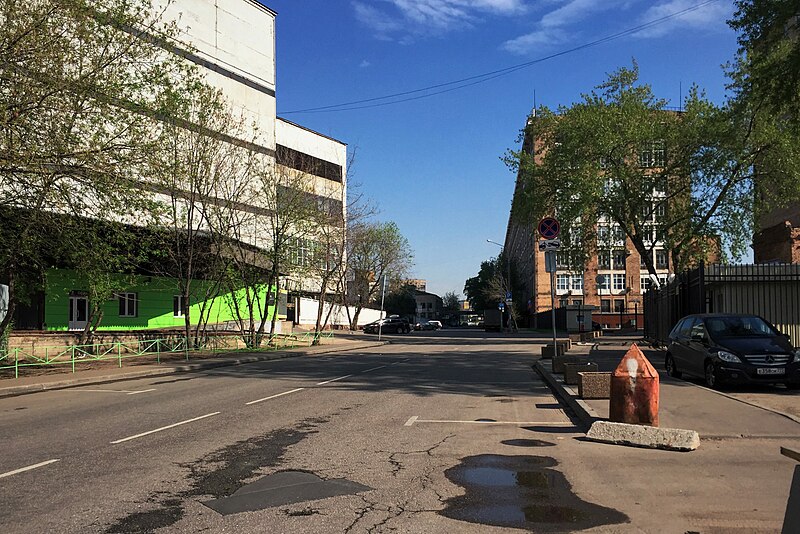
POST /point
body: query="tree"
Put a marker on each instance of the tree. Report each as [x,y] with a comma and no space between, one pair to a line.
[768,64]
[377,250]
[618,168]
[400,300]
[76,79]
[450,301]
[486,289]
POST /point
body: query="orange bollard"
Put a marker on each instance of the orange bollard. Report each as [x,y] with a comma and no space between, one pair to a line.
[634,390]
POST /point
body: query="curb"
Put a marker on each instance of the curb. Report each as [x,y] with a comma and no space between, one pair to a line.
[15,391]
[582,411]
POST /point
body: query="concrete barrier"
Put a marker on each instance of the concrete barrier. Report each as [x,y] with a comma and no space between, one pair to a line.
[672,439]
[594,385]
[571,371]
[561,359]
[548,352]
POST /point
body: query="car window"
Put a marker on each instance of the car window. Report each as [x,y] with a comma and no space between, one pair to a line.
[676,331]
[736,326]
[698,329]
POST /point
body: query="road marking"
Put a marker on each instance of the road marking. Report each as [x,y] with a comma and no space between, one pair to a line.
[411,420]
[416,419]
[23,469]
[127,392]
[164,428]
[274,396]
[375,368]
[333,380]
[401,361]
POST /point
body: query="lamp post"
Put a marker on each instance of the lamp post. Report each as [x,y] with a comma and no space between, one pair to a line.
[508,279]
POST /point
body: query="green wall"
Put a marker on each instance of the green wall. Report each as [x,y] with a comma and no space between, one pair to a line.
[155,302]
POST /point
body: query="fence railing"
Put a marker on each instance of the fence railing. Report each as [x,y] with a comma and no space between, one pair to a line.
[73,355]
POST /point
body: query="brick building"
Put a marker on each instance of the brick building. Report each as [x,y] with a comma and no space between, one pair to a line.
[613,279]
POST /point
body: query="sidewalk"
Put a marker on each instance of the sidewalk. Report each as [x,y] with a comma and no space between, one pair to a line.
[682,404]
[10,387]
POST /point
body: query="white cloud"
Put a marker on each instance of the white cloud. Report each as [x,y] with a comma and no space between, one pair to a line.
[364,64]
[550,30]
[710,16]
[399,19]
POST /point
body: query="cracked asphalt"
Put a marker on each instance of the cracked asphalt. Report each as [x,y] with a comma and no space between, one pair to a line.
[398,419]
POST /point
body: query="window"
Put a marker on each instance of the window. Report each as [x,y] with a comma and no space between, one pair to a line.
[619,305]
[603,282]
[179,306]
[562,303]
[619,259]
[604,162]
[605,305]
[619,282]
[128,304]
[652,154]
[562,282]
[644,283]
[577,282]
[604,259]
[577,302]
[661,209]
[662,261]
[562,259]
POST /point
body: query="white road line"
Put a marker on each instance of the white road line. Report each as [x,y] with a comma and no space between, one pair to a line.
[274,396]
[538,423]
[34,466]
[333,380]
[126,391]
[375,368]
[164,428]
[411,420]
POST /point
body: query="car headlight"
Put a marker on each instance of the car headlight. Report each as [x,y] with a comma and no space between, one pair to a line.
[726,356]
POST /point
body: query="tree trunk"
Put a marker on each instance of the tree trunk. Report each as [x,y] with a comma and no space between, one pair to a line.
[10,309]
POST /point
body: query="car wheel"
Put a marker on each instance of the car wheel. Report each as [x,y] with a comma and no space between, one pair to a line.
[669,364]
[712,380]
[792,385]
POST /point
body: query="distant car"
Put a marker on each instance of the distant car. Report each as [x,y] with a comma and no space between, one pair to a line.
[391,325]
[727,348]
[431,325]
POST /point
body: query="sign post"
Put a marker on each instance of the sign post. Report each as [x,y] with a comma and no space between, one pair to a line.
[549,228]
[383,296]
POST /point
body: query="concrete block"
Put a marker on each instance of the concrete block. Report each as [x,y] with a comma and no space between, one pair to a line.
[587,336]
[548,353]
[561,359]
[672,439]
[574,338]
[594,385]
[571,371]
[566,344]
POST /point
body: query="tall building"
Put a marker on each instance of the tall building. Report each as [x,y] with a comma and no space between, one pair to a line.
[232,44]
[614,277]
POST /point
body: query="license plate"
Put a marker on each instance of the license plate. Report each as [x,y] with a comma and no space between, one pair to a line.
[770,371]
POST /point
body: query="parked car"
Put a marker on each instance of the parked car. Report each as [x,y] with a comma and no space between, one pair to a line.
[430,325]
[390,325]
[727,348]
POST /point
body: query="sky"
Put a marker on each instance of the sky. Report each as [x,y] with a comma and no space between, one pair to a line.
[433,164]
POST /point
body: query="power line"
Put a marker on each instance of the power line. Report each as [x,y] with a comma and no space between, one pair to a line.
[454,85]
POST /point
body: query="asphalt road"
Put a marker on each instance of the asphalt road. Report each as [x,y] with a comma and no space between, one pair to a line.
[441,431]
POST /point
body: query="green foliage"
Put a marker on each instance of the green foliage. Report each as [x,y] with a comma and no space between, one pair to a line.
[621,158]
[450,301]
[768,67]
[486,290]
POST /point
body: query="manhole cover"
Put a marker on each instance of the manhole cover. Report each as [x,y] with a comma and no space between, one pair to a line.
[286,487]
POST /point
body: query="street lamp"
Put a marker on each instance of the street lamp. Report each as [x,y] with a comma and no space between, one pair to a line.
[508,279]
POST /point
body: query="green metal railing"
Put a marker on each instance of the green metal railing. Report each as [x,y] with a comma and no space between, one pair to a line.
[72,355]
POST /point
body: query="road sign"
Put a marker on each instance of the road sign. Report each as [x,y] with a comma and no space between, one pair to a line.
[501,306]
[508,296]
[550,261]
[549,228]
[549,244]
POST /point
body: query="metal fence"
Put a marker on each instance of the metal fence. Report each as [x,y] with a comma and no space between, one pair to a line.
[18,359]
[769,290]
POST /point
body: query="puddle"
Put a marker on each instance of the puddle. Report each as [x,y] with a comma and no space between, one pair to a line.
[522,492]
[527,443]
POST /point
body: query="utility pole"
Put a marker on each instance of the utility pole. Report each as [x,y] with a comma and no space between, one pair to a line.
[383,296]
